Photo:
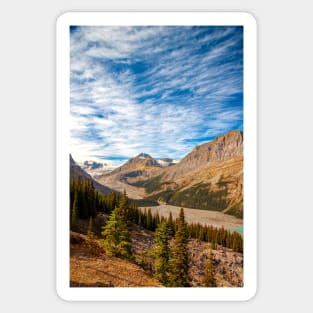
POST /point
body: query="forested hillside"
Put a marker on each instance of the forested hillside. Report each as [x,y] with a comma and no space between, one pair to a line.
[112,222]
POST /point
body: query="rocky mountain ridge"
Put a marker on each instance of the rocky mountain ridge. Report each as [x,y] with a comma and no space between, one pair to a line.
[221,149]
[209,177]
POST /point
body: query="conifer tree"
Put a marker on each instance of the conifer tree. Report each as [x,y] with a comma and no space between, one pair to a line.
[116,237]
[90,233]
[144,218]
[139,218]
[74,211]
[209,275]
[156,220]
[123,207]
[117,241]
[179,263]
[171,224]
[113,202]
[149,223]
[162,253]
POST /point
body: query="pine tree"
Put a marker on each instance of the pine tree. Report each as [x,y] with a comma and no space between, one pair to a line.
[209,275]
[144,218]
[90,233]
[74,211]
[179,263]
[139,218]
[117,241]
[162,253]
[149,223]
[171,224]
[123,207]
[156,220]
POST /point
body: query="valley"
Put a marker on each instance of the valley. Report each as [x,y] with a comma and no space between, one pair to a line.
[210,177]
[117,219]
[117,185]
[156,157]
[203,217]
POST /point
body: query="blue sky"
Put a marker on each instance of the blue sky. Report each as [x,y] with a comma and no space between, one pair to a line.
[159,90]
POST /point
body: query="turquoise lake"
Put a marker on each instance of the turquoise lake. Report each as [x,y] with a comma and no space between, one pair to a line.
[239,230]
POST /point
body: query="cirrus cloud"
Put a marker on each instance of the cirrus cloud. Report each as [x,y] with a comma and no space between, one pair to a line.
[159,90]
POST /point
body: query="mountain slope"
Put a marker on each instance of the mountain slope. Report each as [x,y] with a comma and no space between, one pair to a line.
[141,167]
[77,171]
[210,177]
[221,149]
[91,267]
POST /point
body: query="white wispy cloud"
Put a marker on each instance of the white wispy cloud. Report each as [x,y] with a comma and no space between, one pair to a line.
[152,89]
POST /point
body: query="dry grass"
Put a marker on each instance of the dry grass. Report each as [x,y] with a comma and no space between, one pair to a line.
[90,267]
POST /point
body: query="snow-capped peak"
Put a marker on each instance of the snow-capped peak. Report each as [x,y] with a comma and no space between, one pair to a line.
[143,156]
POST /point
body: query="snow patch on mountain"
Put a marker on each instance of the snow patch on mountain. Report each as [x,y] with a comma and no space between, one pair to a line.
[165,162]
[95,169]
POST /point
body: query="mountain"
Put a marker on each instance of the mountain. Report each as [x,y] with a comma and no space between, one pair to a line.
[141,167]
[165,162]
[96,169]
[222,149]
[77,171]
[210,177]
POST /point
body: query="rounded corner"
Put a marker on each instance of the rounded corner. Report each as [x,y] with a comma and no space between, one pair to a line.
[251,18]
[63,18]
[61,295]
[252,294]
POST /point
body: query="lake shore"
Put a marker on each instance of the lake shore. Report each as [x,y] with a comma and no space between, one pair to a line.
[203,217]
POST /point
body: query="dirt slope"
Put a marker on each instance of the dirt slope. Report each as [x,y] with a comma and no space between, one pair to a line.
[90,267]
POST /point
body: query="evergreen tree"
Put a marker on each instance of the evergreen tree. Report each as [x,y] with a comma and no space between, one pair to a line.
[123,207]
[90,233]
[209,273]
[74,211]
[171,224]
[144,218]
[162,253]
[149,223]
[139,218]
[156,220]
[179,263]
[117,241]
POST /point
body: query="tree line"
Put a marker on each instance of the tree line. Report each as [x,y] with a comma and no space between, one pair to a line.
[171,261]
[85,201]
[215,235]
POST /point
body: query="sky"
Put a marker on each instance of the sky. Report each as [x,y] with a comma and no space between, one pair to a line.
[160,90]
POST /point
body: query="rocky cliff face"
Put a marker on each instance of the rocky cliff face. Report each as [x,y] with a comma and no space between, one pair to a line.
[222,148]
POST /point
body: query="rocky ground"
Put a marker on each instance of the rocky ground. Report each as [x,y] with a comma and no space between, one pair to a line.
[228,264]
[89,266]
